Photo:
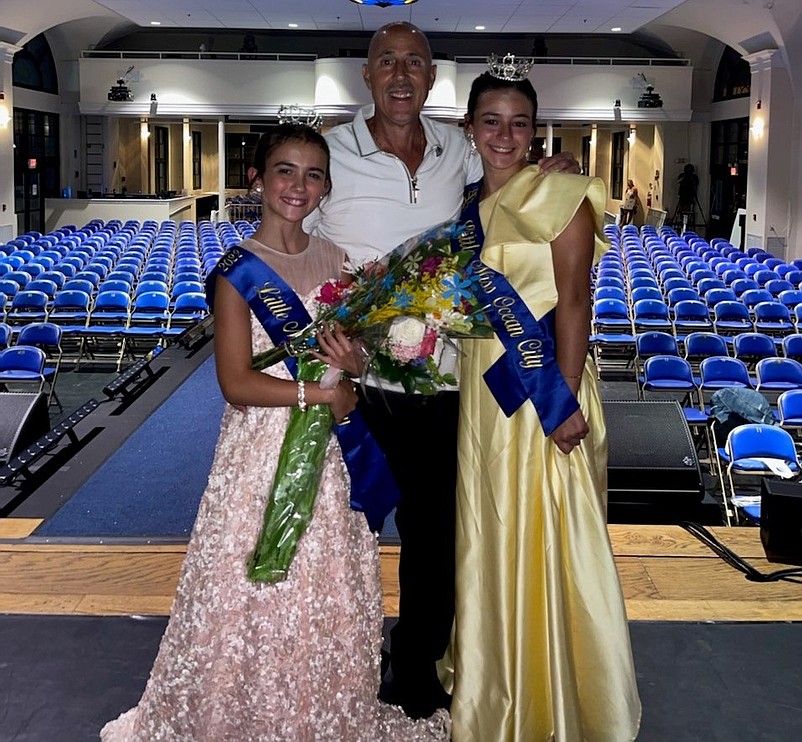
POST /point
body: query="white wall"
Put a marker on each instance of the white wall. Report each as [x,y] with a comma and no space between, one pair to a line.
[255,87]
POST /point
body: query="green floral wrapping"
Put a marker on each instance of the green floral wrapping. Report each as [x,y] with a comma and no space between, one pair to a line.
[295,485]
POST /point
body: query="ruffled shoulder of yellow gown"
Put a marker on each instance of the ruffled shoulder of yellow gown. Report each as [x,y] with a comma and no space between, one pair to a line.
[536,207]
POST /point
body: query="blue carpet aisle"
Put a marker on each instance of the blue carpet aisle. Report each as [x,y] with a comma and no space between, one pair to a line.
[152,485]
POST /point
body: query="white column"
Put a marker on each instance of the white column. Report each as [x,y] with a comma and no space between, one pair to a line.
[221,167]
[593,138]
[186,138]
[769,178]
[549,139]
[144,155]
[8,220]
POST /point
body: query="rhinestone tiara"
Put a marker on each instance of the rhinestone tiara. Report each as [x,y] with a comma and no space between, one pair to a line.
[295,114]
[509,67]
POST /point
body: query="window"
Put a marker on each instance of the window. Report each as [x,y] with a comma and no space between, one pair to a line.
[240,149]
[617,165]
[196,160]
[36,151]
[33,67]
[161,158]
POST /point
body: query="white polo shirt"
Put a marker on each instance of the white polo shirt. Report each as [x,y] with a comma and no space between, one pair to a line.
[376,203]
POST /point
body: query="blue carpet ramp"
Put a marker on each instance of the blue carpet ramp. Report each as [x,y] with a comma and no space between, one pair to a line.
[153,483]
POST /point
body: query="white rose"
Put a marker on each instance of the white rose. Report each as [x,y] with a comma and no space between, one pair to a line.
[406,331]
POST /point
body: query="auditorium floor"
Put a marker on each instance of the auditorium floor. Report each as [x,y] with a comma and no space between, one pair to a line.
[666,575]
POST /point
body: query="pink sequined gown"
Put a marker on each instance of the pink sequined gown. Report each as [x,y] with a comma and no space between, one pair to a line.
[296,661]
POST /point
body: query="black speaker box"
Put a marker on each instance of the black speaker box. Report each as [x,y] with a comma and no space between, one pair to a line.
[781,520]
[651,455]
[23,419]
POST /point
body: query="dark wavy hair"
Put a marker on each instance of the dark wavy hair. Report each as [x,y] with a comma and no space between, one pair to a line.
[281,134]
[486,82]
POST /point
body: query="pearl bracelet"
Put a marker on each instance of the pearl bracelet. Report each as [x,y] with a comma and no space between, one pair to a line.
[302,396]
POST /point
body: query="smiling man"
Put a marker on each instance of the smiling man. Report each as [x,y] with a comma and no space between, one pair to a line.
[394,175]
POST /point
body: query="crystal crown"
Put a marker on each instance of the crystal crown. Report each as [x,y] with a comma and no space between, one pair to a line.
[509,67]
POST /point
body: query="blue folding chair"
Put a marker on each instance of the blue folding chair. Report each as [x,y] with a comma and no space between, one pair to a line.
[47,337]
[778,375]
[22,365]
[754,450]
[772,318]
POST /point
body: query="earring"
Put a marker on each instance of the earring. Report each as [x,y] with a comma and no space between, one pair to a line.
[258,189]
[469,137]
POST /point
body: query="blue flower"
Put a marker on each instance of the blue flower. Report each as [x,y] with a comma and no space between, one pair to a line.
[457,288]
[403,299]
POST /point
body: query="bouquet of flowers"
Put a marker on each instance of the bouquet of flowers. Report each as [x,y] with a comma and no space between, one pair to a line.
[404,309]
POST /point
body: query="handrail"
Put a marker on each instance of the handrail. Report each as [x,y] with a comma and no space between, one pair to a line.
[236,56]
[601,61]
[292,57]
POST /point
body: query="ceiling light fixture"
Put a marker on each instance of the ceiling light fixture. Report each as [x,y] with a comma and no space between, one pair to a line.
[615,29]
[384,3]
[292,25]
[479,28]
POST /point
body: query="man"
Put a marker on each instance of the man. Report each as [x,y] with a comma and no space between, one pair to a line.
[396,174]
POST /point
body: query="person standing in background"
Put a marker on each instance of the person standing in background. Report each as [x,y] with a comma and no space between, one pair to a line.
[629,205]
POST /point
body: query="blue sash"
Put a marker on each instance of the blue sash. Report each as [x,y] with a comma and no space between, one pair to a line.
[528,368]
[282,313]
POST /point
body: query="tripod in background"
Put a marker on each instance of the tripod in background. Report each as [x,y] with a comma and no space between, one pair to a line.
[684,217]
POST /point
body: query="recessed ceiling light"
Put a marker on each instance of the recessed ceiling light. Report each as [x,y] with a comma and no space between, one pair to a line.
[293,25]
[479,28]
[155,23]
[615,29]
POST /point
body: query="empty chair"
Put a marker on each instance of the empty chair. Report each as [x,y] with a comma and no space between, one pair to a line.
[681,293]
[79,284]
[47,337]
[764,276]
[103,332]
[22,365]
[43,284]
[5,335]
[20,277]
[670,374]
[55,276]
[739,285]
[792,346]
[601,292]
[706,284]
[789,409]
[791,298]
[731,317]
[751,347]
[150,286]
[773,318]
[778,374]
[28,306]
[755,296]
[642,292]
[650,314]
[777,285]
[691,316]
[715,296]
[674,283]
[113,284]
[189,308]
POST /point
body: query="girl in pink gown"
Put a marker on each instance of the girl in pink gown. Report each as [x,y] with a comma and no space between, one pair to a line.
[296,660]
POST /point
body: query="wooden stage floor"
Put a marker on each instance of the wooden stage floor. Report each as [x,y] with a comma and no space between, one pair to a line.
[666,574]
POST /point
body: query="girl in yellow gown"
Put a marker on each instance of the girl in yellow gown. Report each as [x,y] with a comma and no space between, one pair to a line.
[541,645]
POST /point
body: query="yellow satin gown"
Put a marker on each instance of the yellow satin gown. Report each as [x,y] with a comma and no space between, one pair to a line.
[541,645]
